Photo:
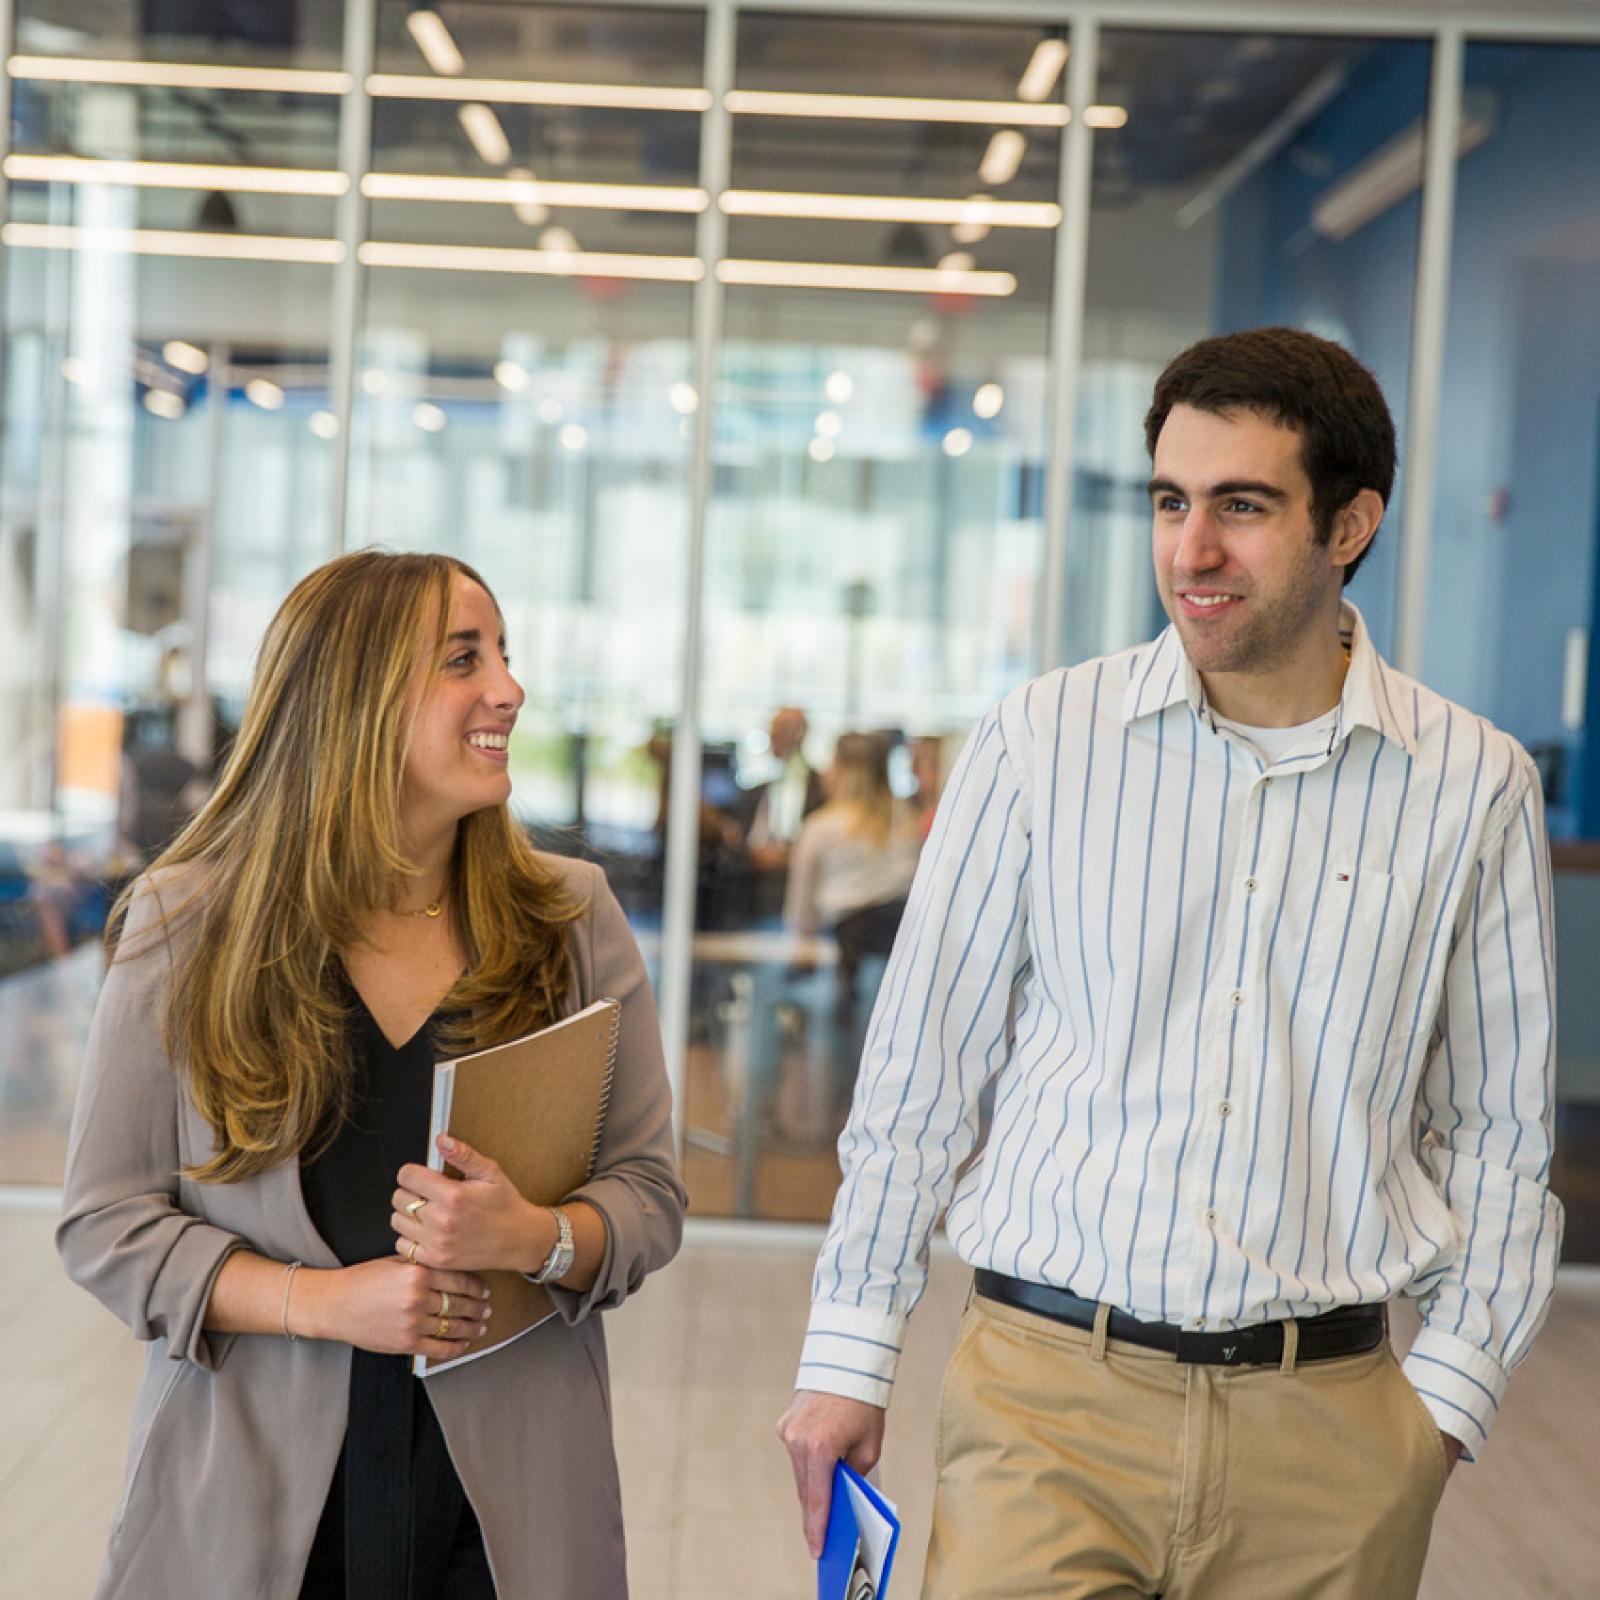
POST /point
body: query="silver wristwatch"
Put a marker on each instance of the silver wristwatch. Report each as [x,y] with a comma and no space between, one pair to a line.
[562,1254]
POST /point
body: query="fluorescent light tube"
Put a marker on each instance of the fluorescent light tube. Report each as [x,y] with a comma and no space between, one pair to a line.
[511,91]
[175,175]
[1002,158]
[488,137]
[891,208]
[1044,67]
[892,108]
[1390,173]
[433,39]
[831,275]
[561,264]
[185,357]
[177,75]
[164,242]
[532,191]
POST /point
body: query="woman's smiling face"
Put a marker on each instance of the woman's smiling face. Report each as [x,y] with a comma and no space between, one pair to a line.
[464,712]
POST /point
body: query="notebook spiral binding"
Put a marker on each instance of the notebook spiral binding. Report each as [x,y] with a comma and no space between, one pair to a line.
[605,1092]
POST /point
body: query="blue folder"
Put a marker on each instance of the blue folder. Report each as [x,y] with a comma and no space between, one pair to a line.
[863,1533]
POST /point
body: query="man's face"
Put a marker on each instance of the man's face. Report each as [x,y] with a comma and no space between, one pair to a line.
[1237,561]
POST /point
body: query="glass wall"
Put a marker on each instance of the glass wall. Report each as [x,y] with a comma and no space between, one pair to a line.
[532,217]
[1238,184]
[167,283]
[524,400]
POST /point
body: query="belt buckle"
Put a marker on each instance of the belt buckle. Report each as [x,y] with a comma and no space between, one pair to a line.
[1231,1347]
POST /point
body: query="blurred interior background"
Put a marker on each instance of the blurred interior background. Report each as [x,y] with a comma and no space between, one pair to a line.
[783,370]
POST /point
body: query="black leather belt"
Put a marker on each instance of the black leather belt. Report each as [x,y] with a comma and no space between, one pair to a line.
[1349,1331]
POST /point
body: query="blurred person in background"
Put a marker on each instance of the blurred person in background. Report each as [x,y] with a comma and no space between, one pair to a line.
[352,902]
[770,813]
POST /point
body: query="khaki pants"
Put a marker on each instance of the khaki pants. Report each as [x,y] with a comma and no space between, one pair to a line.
[1072,1468]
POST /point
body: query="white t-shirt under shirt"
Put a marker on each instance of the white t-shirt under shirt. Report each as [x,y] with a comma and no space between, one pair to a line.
[1273,744]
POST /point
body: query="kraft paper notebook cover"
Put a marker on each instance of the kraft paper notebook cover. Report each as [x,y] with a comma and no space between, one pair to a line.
[537,1106]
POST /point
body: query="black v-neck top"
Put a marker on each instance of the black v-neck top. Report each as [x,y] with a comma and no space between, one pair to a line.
[397,1524]
[348,1186]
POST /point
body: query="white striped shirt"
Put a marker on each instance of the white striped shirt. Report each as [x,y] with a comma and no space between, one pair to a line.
[1266,1040]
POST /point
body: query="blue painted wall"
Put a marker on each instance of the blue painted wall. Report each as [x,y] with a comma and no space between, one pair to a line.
[1511,572]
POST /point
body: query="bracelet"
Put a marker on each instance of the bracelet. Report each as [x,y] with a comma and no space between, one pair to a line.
[288,1280]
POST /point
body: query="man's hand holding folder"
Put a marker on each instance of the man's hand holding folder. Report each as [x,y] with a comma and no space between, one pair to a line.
[820,1430]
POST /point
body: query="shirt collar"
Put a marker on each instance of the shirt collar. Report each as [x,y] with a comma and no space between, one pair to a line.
[1163,675]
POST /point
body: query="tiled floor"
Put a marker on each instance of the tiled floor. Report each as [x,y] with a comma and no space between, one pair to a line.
[702,1360]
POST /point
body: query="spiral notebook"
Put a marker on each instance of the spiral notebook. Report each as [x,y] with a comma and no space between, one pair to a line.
[536,1105]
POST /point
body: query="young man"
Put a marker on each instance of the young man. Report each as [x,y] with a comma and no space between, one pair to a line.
[1254,935]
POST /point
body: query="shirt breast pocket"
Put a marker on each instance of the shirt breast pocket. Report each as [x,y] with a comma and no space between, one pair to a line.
[1358,980]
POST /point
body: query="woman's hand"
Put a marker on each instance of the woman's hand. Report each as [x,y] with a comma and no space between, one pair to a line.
[468,1224]
[392,1308]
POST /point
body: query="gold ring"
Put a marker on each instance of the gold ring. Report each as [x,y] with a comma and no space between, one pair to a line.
[443,1329]
[444,1305]
[411,1254]
[414,1210]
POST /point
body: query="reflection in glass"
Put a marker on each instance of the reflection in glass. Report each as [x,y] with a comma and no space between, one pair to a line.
[872,549]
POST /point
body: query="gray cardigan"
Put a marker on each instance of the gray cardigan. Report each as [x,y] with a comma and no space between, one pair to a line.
[235,1437]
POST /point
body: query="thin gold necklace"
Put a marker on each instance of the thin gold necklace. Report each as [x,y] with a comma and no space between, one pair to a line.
[432,909]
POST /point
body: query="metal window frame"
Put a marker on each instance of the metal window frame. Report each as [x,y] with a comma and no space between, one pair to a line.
[1448,33]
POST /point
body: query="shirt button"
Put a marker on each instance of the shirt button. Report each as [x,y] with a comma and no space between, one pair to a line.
[1199,1322]
[1225,1109]
[1251,885]
[1237,997]
[1211,1219]
[1266,783]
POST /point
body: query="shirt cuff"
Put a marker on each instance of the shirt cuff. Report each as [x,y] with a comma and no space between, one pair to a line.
[851,1351]
[1460,1385]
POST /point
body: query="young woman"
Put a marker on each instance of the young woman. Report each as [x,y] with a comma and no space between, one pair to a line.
[856,855]
[246,1184]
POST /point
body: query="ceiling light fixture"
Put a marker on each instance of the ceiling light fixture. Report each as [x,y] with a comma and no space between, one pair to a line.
[176,75]
[891,208]
[175,175]
[1002,158]
[988,401]
[185,357]
[433,39]
[1044,67]
[892,108]
[429,417]
[164,242]
[830,275]
[264,393]
[510,376]
[821,448]
[483,128]
[546,263]
[1106,117]
[324,424]
[163,403]
[957,261]
[515,189]
[510,91]
[957,442]
[839,387]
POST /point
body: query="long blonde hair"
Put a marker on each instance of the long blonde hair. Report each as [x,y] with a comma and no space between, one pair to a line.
[300,843]
[861,791]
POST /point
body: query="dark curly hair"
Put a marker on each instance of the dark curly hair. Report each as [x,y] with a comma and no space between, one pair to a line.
[1302,382]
